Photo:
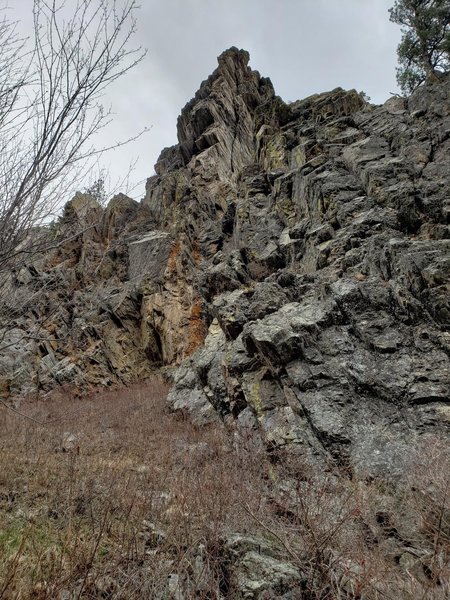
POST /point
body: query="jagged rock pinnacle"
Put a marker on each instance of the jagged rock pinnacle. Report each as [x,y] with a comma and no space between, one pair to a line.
[219,114]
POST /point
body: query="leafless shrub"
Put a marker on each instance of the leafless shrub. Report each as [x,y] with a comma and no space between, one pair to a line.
[140,501]
[50,91]
[140,496]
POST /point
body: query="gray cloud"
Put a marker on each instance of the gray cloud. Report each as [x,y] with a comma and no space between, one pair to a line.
[304,46]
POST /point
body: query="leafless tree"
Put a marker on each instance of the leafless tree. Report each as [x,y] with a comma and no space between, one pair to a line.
[51,113]
[50,109]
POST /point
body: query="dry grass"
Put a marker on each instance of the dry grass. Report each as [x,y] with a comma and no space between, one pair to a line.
[111,496]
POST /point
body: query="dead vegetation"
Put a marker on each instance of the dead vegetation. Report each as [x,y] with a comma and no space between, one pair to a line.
[111,496]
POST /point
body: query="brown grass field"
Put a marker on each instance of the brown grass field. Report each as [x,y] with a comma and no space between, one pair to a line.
[112,496]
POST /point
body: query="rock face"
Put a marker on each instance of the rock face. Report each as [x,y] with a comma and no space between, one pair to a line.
[292,259]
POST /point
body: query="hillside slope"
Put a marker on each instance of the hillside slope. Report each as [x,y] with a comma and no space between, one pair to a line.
[291,260]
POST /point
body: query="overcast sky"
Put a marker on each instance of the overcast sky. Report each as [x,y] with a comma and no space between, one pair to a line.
[304,46]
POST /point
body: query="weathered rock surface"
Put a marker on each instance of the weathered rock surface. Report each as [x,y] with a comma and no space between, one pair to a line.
[292,259]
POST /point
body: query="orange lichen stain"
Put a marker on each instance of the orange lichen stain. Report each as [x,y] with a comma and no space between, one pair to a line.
[196,254]
[196,329]
[174,253]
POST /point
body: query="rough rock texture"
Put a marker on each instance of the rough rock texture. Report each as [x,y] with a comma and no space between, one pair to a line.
[293,259]
[256,571]
[325,264]
[108,303]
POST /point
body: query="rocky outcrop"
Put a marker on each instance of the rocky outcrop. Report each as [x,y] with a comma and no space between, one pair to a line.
[292,260]
[324,268]
[108,303]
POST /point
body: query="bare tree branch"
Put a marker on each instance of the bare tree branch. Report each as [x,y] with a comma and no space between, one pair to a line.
[50,106]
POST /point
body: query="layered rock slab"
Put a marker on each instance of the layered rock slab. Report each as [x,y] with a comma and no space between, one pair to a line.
[332,278]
